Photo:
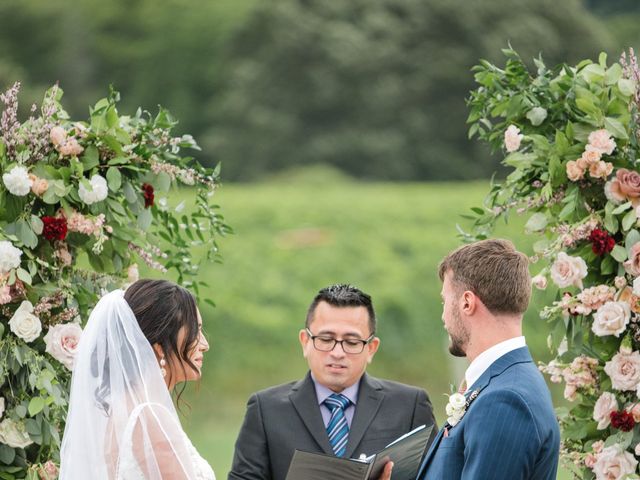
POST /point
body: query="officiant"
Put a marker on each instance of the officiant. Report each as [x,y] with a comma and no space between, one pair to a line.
[337,408]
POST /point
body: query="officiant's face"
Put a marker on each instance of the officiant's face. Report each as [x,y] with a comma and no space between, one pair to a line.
[452,318]
[336,369]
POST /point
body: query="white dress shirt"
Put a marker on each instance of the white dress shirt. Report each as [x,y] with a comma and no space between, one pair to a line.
[486,358]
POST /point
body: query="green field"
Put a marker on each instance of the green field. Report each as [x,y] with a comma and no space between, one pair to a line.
[294,237]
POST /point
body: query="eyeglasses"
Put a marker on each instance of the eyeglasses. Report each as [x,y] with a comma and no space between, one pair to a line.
[327,344]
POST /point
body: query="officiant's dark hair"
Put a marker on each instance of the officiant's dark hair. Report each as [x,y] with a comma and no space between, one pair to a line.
[495,271]
[343,295]
[162,309]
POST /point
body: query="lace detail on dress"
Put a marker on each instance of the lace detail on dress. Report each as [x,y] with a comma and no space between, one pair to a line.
[128,468]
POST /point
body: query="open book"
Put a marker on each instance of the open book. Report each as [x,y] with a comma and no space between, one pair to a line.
[405,452]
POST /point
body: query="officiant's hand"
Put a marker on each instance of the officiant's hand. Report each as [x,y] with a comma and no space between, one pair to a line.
[386,473]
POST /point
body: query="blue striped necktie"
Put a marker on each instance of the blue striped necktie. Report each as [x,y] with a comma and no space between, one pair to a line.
[337,428]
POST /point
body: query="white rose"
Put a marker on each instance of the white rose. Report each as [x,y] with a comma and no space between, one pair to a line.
[624,371]
[14,434]
[9,257]
[62,342]
[539,281]
[536,115]
[567,271]
[457,401]
[17,181]
[512,138]
[614,464]
[636,287]
[606,404]
[611,319]
[97,193]
[2,406]
[24,324]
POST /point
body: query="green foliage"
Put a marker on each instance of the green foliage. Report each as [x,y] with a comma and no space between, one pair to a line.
[375,87]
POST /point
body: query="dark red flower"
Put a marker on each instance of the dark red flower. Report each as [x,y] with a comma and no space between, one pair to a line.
[622,420]
[54,228]
[601,241]
[147,191]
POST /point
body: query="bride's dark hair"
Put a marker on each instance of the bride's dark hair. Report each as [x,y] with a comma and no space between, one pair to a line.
[162,309]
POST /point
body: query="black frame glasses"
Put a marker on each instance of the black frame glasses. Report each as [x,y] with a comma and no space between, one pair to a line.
[327,344]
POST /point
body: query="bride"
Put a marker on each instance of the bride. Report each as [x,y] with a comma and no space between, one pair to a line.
[137,346]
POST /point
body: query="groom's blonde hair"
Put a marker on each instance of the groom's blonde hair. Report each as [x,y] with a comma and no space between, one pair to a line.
[495,271]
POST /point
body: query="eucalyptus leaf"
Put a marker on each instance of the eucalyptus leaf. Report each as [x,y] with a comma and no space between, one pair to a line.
[144,219]
[629,220]
[537,222]
[619,253]
[114,179]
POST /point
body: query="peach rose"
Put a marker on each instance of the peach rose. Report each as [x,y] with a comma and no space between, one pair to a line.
[39,186]
[606,404]
[632,265]
[574,171]
[71,147]
[614,464]
[57,135]
[600,169]
[626,185]
[611,319]
[601,140]
[635,411]
[624,371]
[567,271]
[512,138]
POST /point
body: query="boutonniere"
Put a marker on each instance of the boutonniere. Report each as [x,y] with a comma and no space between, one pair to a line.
[458,405]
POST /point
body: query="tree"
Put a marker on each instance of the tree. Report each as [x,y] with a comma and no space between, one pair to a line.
[376,87]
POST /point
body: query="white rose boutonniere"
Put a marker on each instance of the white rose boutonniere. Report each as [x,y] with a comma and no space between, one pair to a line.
[456,408]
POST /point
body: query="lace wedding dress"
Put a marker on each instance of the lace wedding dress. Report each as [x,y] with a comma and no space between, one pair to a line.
[128,467]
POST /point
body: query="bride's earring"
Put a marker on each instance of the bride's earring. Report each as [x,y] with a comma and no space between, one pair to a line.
[163,370]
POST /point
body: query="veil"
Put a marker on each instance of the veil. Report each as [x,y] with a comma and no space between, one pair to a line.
[121,421]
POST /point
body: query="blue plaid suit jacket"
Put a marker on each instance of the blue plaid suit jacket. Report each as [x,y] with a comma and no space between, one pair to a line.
[509,431]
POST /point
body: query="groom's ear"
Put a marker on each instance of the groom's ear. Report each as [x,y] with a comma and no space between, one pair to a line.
[469,303]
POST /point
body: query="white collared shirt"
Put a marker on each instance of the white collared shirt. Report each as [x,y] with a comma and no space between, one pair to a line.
[490,355]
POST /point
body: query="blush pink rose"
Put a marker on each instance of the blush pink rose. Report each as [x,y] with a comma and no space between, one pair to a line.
[512,138]
[5,294]
[71,147]
[626,185]
[611,318]
[601,141]
[606,404]
[62,342]
[614,464]
[632,265]
[48,471]
[539,281]
[567,271]
[624,371]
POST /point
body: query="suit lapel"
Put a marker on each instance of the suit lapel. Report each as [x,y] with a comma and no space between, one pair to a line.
[430,453]
[370,397]
[304,400]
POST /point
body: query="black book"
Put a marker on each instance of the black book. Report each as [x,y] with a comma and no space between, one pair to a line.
[405,452]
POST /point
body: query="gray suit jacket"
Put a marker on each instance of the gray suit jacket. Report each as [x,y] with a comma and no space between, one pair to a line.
[287,417]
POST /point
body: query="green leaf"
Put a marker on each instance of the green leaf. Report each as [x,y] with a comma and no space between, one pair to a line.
[25,234]
[24,276]
[7,454]
[537,222]
[619,253]
[593,73]
[621,208]
[626,86]
[615,128]
[163,182]
[608,265]
[36,225]
[144,219]
[633,237]
[35,406]
[629,220]
[613,74]
[114,179]
[90,158]
[129,193]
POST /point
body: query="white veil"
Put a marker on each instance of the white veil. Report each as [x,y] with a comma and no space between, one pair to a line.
[121,421]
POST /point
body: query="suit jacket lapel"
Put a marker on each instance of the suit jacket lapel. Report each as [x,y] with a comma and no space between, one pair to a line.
[370,397]
[304,400]
[430,453]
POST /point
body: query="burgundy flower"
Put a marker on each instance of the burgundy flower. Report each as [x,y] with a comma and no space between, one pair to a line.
[601,242]
[54,228]
[622,420]
[147,191]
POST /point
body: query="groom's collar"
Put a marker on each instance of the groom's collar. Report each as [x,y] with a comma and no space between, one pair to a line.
[483,361]
[518,354]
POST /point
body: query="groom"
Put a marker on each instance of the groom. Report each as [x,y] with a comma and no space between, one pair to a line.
[507,428]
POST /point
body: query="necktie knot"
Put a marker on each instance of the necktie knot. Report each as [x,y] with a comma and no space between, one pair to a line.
[337,400]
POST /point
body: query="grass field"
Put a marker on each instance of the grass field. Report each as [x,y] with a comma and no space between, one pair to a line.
[291,239]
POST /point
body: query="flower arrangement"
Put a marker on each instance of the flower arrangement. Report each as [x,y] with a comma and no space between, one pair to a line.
[81,204]
[571,140]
